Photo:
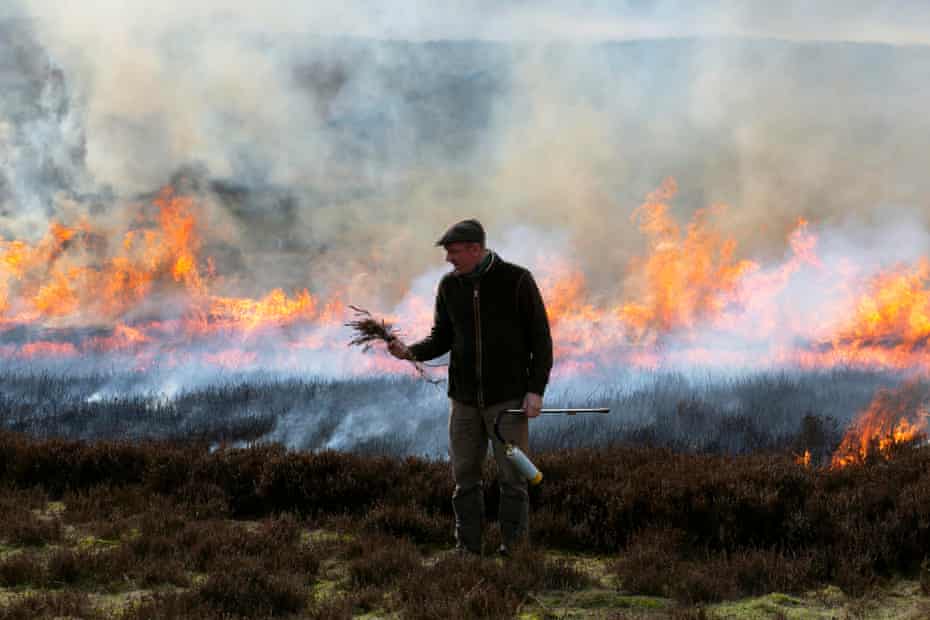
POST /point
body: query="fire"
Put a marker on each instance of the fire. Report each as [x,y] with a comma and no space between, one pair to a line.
[151,292]
[47,349]
[578,325]
[73,279]
[58,297]
[44,281]
[893,313]
[687,277]
[276,307]
[149,295]
[893,418]
[63,276]
[179,239]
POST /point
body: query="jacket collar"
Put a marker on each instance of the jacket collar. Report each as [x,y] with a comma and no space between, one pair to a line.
[482,268]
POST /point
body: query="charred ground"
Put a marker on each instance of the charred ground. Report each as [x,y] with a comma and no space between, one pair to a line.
[762,412]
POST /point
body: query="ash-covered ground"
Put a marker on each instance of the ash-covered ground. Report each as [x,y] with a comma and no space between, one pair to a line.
[694,411]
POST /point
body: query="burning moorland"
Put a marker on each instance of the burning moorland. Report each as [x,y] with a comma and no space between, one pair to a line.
[145,299]
[730,234]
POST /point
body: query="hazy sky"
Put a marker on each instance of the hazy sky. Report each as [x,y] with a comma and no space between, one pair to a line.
[891,21]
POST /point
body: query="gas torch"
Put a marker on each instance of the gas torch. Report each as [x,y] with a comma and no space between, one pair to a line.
[516,456]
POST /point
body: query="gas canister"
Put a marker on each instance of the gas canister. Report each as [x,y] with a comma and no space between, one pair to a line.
[516,456]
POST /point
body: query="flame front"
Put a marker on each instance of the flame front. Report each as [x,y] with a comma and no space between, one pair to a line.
[686,278]
[72,279]
[892,315]
[893,418]
[688,299]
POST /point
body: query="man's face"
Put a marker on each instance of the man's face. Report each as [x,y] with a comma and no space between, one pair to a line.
[464,256]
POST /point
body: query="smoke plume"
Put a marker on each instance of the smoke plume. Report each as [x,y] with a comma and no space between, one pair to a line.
[330,145]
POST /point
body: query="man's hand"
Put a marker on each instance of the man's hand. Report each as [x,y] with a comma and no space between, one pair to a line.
[399,350]
[532,403]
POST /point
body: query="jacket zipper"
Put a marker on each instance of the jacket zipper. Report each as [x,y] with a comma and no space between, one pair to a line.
[477,305]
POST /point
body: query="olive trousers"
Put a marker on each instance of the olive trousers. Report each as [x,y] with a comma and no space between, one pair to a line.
[470,428]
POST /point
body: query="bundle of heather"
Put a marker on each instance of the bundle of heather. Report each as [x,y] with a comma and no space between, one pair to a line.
[369,330]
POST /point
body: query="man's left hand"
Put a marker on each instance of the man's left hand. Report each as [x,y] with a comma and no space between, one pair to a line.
[532,403]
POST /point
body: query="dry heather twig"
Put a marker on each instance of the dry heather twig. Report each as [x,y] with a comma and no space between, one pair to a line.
[369,330]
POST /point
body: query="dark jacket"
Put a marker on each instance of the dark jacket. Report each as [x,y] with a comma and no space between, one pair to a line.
[497,329]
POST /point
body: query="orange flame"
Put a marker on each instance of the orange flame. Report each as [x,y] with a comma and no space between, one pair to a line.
[47,349]
[893,418]
[276,307]
[690,281]
[803,459]
[72,278]
[62,276]
[686,277]
[892,315]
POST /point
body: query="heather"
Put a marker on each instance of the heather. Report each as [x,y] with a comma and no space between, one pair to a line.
[230,529]
[704,504]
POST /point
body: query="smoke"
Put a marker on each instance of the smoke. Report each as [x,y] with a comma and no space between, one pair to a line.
[332,143]
[41,143]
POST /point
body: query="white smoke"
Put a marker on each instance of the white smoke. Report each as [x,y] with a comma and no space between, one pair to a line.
[335,142]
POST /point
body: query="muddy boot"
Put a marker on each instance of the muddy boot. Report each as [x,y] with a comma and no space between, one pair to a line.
[514,516]
[468,504]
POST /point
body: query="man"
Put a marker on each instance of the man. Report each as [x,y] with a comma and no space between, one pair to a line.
[490,315]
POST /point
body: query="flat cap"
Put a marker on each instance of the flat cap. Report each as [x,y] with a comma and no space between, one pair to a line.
[466,230]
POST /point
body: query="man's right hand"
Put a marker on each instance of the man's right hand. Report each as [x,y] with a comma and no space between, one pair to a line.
[399,350]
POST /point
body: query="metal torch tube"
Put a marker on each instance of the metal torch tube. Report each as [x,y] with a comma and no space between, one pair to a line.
[577,411]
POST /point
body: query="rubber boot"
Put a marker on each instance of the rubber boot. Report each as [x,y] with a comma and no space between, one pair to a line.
[468,504]
[514,514]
